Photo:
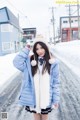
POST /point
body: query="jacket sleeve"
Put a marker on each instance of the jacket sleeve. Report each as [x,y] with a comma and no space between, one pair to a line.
[55,83]
[20,60]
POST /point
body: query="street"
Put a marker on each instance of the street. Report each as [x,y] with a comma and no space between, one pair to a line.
[69,108]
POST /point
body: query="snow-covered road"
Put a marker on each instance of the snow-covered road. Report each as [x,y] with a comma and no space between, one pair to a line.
[69,105]
[69,56]
[70,94]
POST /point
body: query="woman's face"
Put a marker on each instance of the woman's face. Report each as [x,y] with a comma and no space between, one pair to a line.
[40,51]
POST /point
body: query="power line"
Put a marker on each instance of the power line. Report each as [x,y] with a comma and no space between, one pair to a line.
[19,12]
[15,8]
[75,11]
[78,19]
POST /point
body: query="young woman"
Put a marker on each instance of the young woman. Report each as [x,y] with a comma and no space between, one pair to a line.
[40,86]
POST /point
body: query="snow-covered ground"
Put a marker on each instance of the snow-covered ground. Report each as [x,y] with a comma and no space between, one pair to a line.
[7,70]
[69,108]
[68,52]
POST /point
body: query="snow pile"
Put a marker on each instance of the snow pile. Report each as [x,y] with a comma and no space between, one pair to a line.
[7,70]
[69,52]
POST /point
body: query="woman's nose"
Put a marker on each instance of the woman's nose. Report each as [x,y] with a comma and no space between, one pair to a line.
[40,51]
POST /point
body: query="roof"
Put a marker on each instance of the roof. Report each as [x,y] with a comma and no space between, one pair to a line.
[68,17]
[6,16]
[29,29]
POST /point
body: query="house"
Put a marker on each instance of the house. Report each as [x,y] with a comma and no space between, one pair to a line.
[29,35]
[9,32]
[69,28]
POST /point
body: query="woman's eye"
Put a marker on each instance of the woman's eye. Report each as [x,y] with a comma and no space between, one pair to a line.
[36,48]
[39,48]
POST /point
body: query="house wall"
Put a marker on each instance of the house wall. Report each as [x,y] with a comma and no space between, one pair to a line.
[65,28]
[9,32]
[8,38]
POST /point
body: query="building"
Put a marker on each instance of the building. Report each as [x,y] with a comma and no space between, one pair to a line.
[65,28]
[9,32]
[28,35]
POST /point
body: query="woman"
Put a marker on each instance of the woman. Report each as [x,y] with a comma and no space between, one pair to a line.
[40,86]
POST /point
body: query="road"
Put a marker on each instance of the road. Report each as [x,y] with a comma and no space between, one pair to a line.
[69,108]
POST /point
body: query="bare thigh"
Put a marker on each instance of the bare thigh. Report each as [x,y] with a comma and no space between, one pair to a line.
[44,116]
[37,116]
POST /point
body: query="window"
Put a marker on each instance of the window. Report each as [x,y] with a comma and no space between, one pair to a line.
[6,28]
[65,21]
[5,46]
[71,21]
[76,20]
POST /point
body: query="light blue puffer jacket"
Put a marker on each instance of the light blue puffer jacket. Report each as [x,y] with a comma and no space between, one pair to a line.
[27,92]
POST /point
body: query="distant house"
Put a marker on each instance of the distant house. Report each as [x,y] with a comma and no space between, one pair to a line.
[65,28]
[28,34]
[9,32]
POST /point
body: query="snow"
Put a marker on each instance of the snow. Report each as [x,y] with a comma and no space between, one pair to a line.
[68,52]
[7,70]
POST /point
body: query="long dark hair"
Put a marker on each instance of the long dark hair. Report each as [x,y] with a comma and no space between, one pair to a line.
[46,58]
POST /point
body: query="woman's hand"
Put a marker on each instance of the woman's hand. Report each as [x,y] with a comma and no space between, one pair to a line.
[55,106]
[27,46]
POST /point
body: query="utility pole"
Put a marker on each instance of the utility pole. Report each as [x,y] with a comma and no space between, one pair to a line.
[70,31]
[53,24]
[18,44]
[70,22]
[78,20]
